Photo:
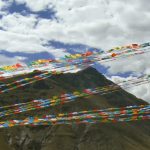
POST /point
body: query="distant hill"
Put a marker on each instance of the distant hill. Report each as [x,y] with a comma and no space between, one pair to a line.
[109,136]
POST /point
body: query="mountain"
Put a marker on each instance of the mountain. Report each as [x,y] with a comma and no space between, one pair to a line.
[100,136]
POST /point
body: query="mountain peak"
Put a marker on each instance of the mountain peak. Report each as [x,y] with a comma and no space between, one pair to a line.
[119,136]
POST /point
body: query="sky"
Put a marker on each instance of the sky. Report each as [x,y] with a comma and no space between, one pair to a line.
[34,29]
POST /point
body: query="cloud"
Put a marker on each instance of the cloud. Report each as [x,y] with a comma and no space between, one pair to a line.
[141,91]
[98,23]
[18,34]
[136,64]
[4,60]
[40,5]
[4,4]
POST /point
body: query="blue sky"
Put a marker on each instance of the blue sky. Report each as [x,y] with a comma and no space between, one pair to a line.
[35,29]
[22,9]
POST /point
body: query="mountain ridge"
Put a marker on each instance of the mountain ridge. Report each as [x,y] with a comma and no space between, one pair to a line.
[100,136]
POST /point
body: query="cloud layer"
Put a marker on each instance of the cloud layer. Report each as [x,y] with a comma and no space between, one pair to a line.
[97,23]
[141,91]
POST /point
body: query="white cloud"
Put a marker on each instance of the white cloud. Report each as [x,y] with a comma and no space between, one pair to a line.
[4,4]
[36,5]
[141,91]
[98,23]
[1,4]
[136,64]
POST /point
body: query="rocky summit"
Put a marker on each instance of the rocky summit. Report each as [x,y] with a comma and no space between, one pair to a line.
[101,136]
